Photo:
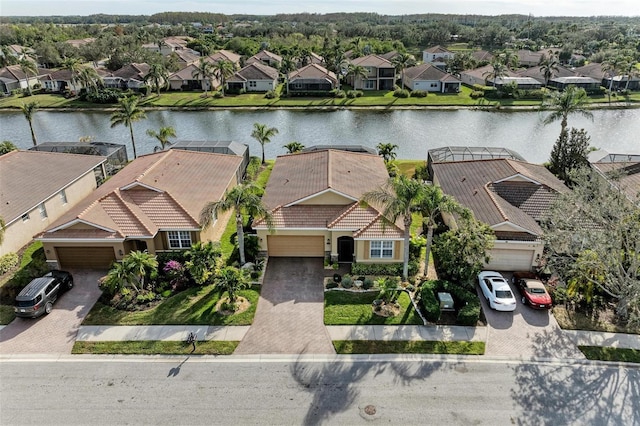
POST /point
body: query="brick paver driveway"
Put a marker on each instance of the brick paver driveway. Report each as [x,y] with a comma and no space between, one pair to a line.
[525,333]
[56,332]
[290,314]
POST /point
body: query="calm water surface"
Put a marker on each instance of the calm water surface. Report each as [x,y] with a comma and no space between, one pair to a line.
[414,131]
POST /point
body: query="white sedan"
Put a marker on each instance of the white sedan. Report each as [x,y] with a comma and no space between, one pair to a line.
[497,291]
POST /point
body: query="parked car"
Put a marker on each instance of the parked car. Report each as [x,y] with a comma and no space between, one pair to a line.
[497,291]
[38,297]
[532,290]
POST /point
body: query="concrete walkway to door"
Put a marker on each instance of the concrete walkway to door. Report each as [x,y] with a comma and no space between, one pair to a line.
[290,314]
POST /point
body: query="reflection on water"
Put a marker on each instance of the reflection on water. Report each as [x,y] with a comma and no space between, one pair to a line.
[414,131]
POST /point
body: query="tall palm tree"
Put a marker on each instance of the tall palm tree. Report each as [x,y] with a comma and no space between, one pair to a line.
[549,67]
[29,110]
[263,135]
[498,70]
[402,61]
[293,147]
[572,100]
[90,79]
[141,264]
[612,67]
[387,151]
[287,65]
[128,113]
[631,71]
[204,72]
[222,70]
[158,76]
[356,71]
[163,136]
[243,200]
[28,67]
[434,203]
[74,66]
[399,198]
[7,57]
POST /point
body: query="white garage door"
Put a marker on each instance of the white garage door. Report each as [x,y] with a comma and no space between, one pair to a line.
[510,260]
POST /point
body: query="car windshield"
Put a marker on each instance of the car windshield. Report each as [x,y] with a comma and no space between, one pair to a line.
[536,290]
[504,294]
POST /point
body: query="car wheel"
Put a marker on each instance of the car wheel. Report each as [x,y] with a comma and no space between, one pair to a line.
[48,307]
[70,285]
[524,300]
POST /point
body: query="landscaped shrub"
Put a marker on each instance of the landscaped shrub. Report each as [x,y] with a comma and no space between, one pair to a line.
[352,94]
[7,262]
[415,246]
[103,96]
[419,94]
[271,94]
[33,265]
[251,250]
[469,315]
[401,93]
[393,269]
[338,93]
[428,301]
[536,94]
[332,284]
[253,168]
[421,172]
[347,281]
[218,95]
[476,94]
[367,283]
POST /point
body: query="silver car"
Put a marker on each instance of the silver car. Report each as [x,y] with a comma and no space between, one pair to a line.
[38,297]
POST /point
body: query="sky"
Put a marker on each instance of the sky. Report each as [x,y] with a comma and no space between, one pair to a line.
[272,7]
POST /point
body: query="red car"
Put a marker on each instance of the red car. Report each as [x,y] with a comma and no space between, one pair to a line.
[532,290]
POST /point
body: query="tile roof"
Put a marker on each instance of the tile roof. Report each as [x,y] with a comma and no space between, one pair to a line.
[500,190]
[313,71]
[255,71]
[226,55]
[629,181]
[437,49]
[372,61]
[265,55]
[27,178]
[154,192]
[484,71]
[428,72]
[593,70]
[187,74]
[299,176]
[133,71]
[538,73]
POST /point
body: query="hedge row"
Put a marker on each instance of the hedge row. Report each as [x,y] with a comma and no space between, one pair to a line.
[466,302]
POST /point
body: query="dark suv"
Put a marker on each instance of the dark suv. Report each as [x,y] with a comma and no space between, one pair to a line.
[38,296]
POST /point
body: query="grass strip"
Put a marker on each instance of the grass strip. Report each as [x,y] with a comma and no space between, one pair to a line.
[155,347]
[346,347]
[611,354]
[353,308]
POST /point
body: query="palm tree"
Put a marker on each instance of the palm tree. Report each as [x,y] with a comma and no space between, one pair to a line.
[158,76]
[399,198]
[232,280]
[28,67]
[549,67]
[89,78]
[74,66]
[287,65]
[387,151]
[29,110]
[509,59]
[141,264]
[612,67]
[293,147]
[402,61]
[434,203]
[6,147]
[572,100]
[498,70]
[263,135]
[243,200]
[357,71]
[222,70]
[203,71]
[128,113]
[632,71]
[163,137]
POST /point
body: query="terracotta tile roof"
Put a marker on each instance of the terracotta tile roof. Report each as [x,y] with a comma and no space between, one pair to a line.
[226,55]
[165,190]
[500,190]
[87,233]
[355,217]
[265,55]
[255,71]
[629,181]
[538,74]
[379,229]
[304,216]
[482,72]
[299,176]
[186,74]
[313,71]
[428,72]
[482,55]
[27,178]
[372,61]
[133,71]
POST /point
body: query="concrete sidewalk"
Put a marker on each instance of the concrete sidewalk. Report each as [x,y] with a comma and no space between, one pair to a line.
[98,333]
[594,338]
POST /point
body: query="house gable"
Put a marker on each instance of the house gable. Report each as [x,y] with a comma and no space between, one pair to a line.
[326,197]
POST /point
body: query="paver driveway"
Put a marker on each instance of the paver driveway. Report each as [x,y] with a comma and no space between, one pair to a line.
[290,314]
[525,333]
[56,332]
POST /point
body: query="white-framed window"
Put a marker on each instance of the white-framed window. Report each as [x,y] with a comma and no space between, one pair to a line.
[63,197]
[179,239]
[43,211]
[381,249]
[369,84]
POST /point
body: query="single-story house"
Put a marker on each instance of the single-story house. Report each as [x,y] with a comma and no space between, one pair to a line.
[482,56]
[219,147]
[312,78]
[527,58]
[60,80]
[36,188]
[430,78]
[314,201]
[185,80]
[13,78]
[184,58]
[480,75]
[586,83]
[225,55]
[527,83]
[168,45]
[538,73]
[508,195]
[437,55]
[152,204]
[622,82]
[381,74]
[255,77]
[626,167]
[130,76]
[268,58]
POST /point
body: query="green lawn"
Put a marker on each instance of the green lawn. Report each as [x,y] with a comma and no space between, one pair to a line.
[610,354]
[408,347]
[193,306]
[7,314]
[351,308]
[155,347]
[572,320]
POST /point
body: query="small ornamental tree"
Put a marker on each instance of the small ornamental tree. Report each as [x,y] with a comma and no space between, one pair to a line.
[232,280]
[569,153]
[203,262]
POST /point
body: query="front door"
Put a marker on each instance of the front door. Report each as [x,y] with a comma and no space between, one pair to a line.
[345,249]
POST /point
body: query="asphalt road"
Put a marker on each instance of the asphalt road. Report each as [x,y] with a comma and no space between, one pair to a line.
[192,391]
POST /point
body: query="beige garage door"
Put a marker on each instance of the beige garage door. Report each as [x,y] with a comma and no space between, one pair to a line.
[295,246]
[85,257]
[510,260]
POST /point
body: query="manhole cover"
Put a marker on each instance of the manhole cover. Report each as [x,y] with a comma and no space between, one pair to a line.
[370,410]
